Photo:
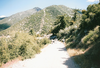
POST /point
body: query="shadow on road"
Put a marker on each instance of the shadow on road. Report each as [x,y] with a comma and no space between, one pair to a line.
[69,62]
[62,49]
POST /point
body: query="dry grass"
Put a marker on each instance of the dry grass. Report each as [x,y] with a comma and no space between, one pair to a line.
[74,52]
[77,55]
[80,58]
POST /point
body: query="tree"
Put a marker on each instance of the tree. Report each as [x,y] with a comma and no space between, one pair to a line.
[83,11]
[60,23]
[91,17]
[74,18]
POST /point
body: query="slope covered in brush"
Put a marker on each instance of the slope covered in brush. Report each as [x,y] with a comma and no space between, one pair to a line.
[8,21]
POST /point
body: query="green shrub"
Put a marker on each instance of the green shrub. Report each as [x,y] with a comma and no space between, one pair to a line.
[32,32]
[87,37]
[43,41]
[92,35]
[22,44]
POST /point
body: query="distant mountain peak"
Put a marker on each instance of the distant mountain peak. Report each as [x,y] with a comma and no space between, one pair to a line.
[37,8]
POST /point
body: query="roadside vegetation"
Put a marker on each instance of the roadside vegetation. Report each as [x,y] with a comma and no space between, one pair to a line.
[20,44]
[82,37]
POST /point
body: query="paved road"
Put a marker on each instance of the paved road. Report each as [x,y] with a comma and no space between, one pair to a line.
[52,56]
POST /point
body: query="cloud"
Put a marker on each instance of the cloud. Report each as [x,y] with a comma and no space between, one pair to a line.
[2,16]
[92,0]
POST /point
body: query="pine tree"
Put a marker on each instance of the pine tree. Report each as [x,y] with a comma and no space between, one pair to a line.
[74,18]
[60,23]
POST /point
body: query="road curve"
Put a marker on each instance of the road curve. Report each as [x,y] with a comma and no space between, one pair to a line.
[52,56]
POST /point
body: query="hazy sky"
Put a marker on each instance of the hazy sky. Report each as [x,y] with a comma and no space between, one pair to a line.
[9,7]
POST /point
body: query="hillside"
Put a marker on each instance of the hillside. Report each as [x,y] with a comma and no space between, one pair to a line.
[41,21]
[8,21]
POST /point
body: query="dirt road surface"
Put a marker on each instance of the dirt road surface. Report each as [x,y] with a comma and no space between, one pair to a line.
[53,56]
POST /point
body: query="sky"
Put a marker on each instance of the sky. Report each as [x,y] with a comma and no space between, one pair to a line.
[10,7]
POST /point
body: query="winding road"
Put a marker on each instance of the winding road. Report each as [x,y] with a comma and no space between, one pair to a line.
[52,56]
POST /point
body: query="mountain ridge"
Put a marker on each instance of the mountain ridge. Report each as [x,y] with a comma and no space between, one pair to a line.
[34,21]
